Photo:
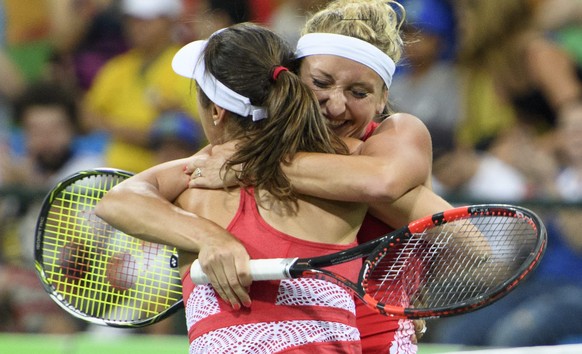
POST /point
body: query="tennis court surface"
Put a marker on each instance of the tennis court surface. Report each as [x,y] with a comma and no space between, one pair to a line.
[11,343]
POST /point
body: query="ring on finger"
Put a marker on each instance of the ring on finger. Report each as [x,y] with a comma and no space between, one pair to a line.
[197,172]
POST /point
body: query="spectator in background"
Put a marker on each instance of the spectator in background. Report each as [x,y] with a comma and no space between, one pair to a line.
[555,14]
[562,20]
[176,135]
[427,83]
[517,85]
[290,16]
[28,42]
[48,118]
[208,16]
[11,85]
[85,35]
[25,306]
[527,70]
[569,180]
[132,89]
[261,10]
[534,75]
[479,176]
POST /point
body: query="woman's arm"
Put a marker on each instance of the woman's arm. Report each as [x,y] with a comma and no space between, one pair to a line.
[142,206]
[415,204]
[396,159]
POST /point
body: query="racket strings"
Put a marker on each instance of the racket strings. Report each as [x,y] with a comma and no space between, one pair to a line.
[100,271]
[452,263]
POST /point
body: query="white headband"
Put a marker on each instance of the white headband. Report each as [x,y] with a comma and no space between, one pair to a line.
[189,62]
[349,48]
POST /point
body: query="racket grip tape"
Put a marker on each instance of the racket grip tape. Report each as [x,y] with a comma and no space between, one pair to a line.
[261,269]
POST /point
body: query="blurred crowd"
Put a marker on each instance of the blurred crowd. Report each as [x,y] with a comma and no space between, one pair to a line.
[88,83]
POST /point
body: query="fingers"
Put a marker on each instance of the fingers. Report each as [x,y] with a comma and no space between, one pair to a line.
[227,264]
[194,163]
[245,279]
[204,172]
[207,170]
[231,282]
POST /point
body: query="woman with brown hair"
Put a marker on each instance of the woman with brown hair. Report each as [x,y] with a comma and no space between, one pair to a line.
[246,93]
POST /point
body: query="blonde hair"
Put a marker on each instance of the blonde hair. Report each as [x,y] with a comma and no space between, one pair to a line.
[374,21]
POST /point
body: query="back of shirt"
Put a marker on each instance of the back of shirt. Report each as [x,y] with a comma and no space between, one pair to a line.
[304,314]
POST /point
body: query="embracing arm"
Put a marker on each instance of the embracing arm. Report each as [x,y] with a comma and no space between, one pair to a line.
[142,206]
[394,160]
[415,204]
[397,158]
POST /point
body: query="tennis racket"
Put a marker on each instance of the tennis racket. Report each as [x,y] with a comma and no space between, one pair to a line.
[95,272]
[446,264]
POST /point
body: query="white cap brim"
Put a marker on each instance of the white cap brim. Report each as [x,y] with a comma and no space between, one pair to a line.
[186,59]
[189,62]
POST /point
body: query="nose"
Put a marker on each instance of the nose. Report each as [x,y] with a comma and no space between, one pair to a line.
[335,103]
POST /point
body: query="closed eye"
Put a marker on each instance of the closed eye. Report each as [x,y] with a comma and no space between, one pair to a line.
[359,93]
[320,83]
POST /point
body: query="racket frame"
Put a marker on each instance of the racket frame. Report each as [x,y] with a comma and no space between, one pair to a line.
[40,265]
[463,212]
[282,268]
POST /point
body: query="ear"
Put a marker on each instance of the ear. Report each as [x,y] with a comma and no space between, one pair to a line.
[218,114]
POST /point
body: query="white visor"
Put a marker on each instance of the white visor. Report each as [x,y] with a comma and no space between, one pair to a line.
[349,48]
[189,62]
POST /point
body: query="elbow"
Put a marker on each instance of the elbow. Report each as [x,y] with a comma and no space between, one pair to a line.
[384,190]
[389,186]
[101,210]
[105,208]
[112,209]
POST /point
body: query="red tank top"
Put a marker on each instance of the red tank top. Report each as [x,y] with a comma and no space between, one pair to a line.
[295,316]
[370,129]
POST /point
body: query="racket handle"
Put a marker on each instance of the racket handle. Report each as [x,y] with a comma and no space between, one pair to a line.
[261,269]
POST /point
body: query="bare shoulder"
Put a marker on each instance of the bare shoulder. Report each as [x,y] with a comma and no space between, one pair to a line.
[396,131]
[217,205]
[403,128]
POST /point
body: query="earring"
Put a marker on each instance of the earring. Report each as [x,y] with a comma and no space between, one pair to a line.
[215,122]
